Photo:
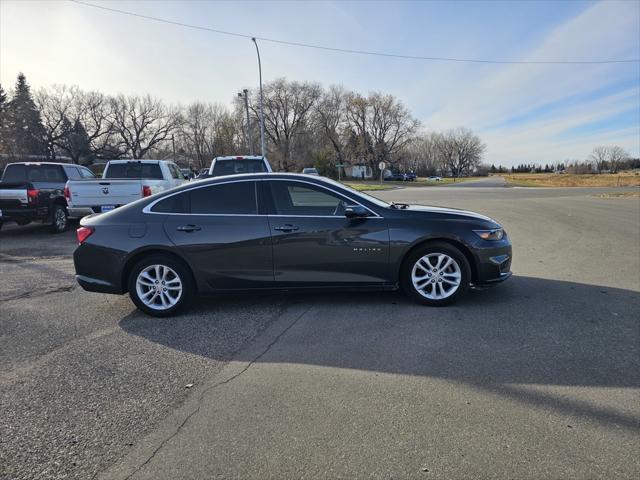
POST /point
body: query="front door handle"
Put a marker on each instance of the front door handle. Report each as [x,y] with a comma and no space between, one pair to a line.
[189,228]
[286,228]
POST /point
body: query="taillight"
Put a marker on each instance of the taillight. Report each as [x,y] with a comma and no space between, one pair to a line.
[67,193]
[83,233]
[32,195]
[146,191]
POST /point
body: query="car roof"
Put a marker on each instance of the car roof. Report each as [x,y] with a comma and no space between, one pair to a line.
[241,157]
[137,160]
[45,163]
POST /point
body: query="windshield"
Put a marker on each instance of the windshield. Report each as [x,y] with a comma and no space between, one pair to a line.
[232,167]
[357,193]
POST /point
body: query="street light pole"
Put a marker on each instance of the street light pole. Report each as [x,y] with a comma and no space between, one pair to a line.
[253,39]
[246,107]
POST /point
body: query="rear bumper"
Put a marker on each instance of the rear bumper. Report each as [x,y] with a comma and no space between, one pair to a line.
[96,285]
[79,212]
[23,214]
[99,269]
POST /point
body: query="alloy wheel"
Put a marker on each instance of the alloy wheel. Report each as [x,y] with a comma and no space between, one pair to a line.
[60,219]
[159,287]
[436,276]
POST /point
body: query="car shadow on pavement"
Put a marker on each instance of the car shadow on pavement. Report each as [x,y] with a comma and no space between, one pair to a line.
[514,340]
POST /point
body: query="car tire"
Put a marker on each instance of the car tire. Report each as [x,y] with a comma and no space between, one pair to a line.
[435,287]
[155,298]
[59,219]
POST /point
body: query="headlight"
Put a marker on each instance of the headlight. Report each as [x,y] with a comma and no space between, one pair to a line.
[495,234]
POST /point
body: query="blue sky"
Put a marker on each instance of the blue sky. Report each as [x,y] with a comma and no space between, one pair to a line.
[525,113]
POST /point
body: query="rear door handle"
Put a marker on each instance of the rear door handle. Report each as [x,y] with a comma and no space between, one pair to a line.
[286,228]
[189,228]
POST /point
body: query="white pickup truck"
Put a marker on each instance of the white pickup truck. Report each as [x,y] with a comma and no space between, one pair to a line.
[122,182]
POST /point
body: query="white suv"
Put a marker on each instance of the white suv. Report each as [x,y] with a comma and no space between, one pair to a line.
[221,166]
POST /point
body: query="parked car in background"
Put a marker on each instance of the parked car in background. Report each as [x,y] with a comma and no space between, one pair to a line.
[221,166]
[31,192]
[284,231]
[123,181]
[401,176]
[310,171]
[188,174]
[434,178]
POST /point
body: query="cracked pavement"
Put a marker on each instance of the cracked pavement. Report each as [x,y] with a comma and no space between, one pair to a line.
[537,378]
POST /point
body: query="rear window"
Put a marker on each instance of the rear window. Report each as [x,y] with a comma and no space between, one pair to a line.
[149,171]
[174,204]
[232,167]
[33,173]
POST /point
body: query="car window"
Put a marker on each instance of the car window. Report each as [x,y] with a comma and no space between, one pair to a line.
[72,173]
[174,204]
[15,173]
[227,198]
[232,167]
[295,198]
[86,173]
[149,171]
[39,173]
[175,171]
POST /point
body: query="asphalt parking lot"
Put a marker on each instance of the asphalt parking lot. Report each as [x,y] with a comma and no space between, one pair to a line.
[536,378]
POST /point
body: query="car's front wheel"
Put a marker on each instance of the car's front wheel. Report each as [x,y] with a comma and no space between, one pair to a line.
[160,286]
[436,274]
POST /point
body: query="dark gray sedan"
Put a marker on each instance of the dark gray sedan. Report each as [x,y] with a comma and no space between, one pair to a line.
[284,231]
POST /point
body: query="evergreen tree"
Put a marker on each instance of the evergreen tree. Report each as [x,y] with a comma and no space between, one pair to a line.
[26,133]
[4,134]
[75,140]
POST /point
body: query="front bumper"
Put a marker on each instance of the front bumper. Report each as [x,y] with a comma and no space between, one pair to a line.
[493,263]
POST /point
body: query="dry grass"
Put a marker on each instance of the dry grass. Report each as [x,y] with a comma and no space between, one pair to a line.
[363,187]
[420,182]
[625,179]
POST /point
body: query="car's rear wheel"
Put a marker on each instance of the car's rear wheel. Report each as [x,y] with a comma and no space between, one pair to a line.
[59,219]
[435,274]
[160,286]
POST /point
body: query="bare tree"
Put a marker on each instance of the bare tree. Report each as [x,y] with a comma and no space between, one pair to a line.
[76,122]
[286,115]
[599,157]
[604,157]
[423,154]
[330,118]
[382,126]
[617,155]
[142,123]
[55,105]
[460,151]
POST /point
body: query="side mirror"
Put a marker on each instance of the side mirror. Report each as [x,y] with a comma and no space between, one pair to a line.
[355,211]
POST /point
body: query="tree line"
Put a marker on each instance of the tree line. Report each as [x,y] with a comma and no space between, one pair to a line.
[305,125]
[602,159]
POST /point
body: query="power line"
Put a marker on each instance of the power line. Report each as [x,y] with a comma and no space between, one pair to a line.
[352,51]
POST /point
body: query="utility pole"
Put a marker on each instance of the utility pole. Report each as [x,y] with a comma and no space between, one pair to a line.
[246,107]
[173,145]
[253,39]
